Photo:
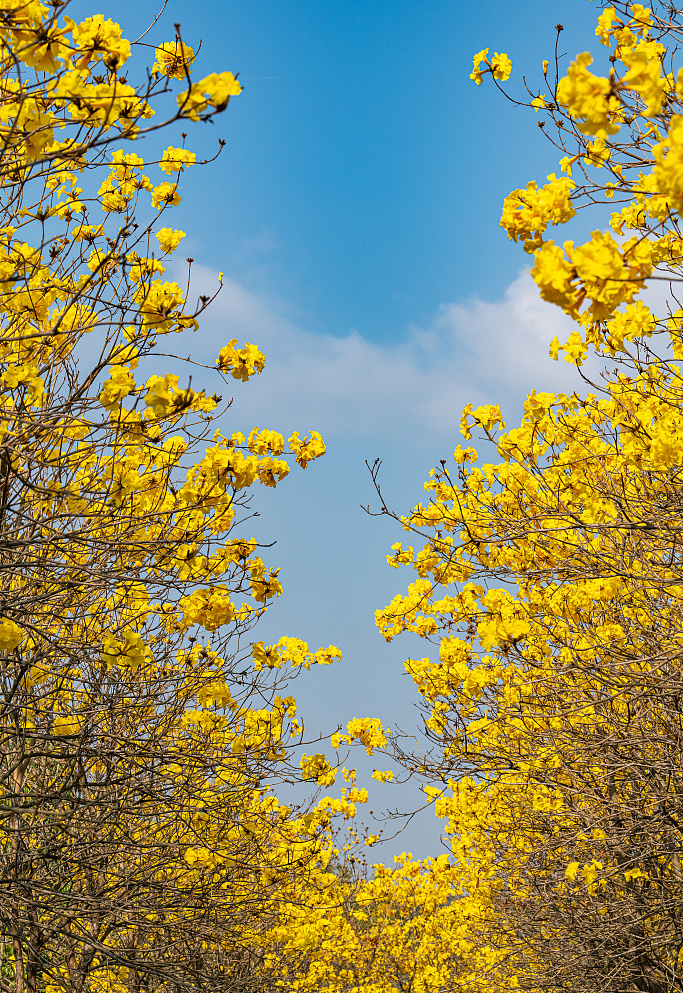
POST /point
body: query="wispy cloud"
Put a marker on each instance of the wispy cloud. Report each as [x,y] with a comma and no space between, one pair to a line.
[349,386]
[400,402]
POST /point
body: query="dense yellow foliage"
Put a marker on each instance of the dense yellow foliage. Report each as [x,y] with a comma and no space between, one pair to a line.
[548,573]
[142,732]
[548,566]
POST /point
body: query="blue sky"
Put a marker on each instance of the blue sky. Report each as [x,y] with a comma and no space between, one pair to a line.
[364,171]
[355,213]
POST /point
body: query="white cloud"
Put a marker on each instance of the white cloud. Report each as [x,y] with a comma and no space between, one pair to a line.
[349,386]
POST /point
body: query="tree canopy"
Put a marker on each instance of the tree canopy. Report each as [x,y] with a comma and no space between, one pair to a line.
[142,729]
[549,574]
[146,735]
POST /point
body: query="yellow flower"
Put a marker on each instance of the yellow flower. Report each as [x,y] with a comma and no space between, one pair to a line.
[241,363]
[175,160]
[159,305]
[645,74]
[478,72]
[120,384]
[160,390]
[165,195]
[501,66]
[169,239]
[527,213]
[317,767]
[67,724]
[369,731]
[589,98]
[383,777]
[11,635]
[308,449]
[605,27]
[97,39]
[212,92]
[173,59]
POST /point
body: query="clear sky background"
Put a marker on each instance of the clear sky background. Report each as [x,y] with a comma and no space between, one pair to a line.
[355,213]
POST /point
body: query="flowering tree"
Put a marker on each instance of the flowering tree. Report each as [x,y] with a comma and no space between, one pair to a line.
[550,576]
[399,929]
[141,729]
